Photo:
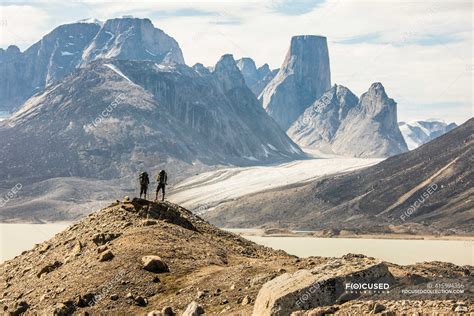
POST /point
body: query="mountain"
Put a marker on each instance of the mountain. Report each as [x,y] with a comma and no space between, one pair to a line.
[343,124]
[143,258]
[69,46]
[303,78]
[256,79]
[54,56]
[420,132]
[113,118]
[424,191]
[133,39]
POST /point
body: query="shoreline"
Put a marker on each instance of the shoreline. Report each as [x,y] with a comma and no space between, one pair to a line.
[260,233]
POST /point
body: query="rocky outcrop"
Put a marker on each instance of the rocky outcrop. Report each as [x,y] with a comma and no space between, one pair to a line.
[256,79]
[420,132]
[210,270]
[342,124]
[321,286]
[303,77]
[68,46]
[154,264]
[132,39]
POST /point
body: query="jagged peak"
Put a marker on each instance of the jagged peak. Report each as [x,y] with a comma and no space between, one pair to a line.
[245,62]
[227,73]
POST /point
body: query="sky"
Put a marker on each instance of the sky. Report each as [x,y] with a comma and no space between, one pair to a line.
[421,51]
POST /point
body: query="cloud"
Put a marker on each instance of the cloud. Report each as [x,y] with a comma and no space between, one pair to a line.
[365,38]
[295,7]
[21,25]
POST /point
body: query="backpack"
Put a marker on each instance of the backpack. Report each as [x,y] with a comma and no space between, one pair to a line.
[162,177]
[143,178]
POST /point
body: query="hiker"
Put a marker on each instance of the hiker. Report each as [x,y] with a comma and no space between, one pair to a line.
[144,181]
[162,181]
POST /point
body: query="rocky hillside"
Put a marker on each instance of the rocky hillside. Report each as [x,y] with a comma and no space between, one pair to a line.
[341,123]
[420,132]
[68,46]
[304,76]
[112,113]
[138,257]
[256,79]
[424,191]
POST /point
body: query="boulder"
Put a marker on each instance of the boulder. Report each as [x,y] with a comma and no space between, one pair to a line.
[167,311]
[106,256]
[103,238]
[193,309]
[49,268]
[20,308]
[323,285]
[154,264]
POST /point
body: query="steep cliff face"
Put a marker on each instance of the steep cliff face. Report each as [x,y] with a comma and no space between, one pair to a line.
[133,39]
[304,77]
[54,56]
[341,123]
[69,46]
[371,129]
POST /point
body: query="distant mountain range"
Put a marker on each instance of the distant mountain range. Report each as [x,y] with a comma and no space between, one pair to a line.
[102,101]
[110,115]
[420,132]
[69,46]
[425,191]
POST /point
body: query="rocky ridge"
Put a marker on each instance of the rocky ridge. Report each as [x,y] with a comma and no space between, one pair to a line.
[140,257]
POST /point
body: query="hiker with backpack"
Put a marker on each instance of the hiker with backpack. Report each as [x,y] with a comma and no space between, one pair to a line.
[162,182]
[144,181]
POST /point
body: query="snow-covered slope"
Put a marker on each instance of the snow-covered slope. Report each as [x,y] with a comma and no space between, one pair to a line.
[418,133]
[204,191]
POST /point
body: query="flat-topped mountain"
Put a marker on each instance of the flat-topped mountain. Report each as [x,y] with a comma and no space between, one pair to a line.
[424,191]
[303,77]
